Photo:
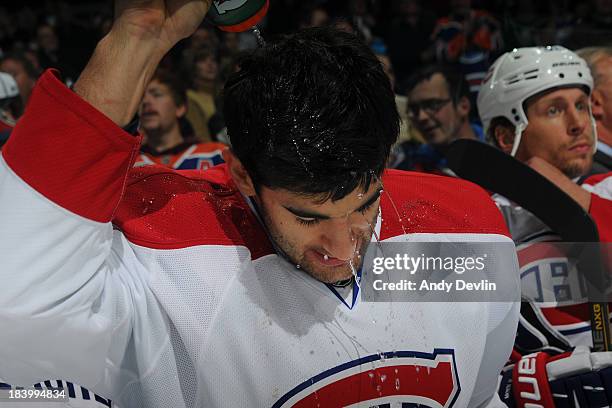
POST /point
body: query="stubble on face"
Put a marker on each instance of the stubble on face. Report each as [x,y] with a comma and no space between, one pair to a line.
[295,251]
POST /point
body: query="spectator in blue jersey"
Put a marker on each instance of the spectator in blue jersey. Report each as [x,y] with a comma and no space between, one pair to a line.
[169,138]
[439,107]
[469,39]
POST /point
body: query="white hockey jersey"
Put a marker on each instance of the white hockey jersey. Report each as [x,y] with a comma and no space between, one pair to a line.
[546,276]
[158,288]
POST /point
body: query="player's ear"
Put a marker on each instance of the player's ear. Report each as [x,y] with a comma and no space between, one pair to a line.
[239,174]
[504,137]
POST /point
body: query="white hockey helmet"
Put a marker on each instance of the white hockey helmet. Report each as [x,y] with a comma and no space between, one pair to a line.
[522,73]
[8,86]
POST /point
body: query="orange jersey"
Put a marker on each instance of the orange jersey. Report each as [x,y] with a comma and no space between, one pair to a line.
[186,156]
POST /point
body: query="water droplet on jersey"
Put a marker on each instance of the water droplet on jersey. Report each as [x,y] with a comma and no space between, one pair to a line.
[399,217]
[383,377]
[371,374]
[396,370]
[354,272]
[397,384]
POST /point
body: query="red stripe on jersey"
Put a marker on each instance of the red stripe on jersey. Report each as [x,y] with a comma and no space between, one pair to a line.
[426,203]
[563,315]
[168,209]
[538,252]
[597,178]
[70,152]
[601,212]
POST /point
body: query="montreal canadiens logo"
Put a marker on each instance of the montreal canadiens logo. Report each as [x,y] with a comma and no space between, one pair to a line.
[387,379]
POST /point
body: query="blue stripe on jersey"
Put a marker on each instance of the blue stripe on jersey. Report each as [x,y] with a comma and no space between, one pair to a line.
[575,331]
[71,393]
[103,401]
[369,359]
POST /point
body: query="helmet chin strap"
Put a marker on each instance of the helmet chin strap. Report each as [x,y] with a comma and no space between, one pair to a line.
[518,131]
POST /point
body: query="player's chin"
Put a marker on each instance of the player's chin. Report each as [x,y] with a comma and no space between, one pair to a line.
[330,274]
[578,166]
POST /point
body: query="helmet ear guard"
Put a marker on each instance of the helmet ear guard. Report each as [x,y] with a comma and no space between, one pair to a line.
[524,72]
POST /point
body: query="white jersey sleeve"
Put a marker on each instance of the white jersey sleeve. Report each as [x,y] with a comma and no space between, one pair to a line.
[66,294]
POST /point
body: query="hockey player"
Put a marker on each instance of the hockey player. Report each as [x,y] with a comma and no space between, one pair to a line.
[162,122]
[235,287]
[534,105]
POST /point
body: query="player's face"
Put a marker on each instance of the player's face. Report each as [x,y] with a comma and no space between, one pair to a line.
[324,239]
[559,131]
[17,71]
[431,109]
[158,110]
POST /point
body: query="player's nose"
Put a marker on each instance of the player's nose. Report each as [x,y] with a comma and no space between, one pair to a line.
[577,122]
[340,240]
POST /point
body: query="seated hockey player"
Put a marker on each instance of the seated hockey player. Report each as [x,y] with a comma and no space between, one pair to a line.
[534,104]
[237,286]
[168,136]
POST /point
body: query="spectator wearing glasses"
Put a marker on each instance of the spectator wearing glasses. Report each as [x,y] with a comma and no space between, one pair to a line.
[439,108]
[439,105]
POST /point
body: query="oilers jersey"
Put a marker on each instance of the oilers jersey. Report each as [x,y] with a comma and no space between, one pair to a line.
[186,156]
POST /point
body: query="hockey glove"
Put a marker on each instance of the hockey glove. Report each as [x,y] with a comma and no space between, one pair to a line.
[576,379]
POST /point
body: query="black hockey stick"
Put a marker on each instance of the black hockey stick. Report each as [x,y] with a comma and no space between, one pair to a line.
[496,171]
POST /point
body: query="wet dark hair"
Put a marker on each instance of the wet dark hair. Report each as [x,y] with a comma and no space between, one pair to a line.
[313,113]
[457,85]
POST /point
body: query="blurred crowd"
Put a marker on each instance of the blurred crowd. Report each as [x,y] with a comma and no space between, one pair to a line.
[461,36]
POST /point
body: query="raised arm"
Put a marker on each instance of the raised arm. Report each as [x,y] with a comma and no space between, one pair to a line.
[67,280]
[143,32]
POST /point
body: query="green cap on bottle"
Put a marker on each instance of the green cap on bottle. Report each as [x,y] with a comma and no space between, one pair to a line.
[237,15]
